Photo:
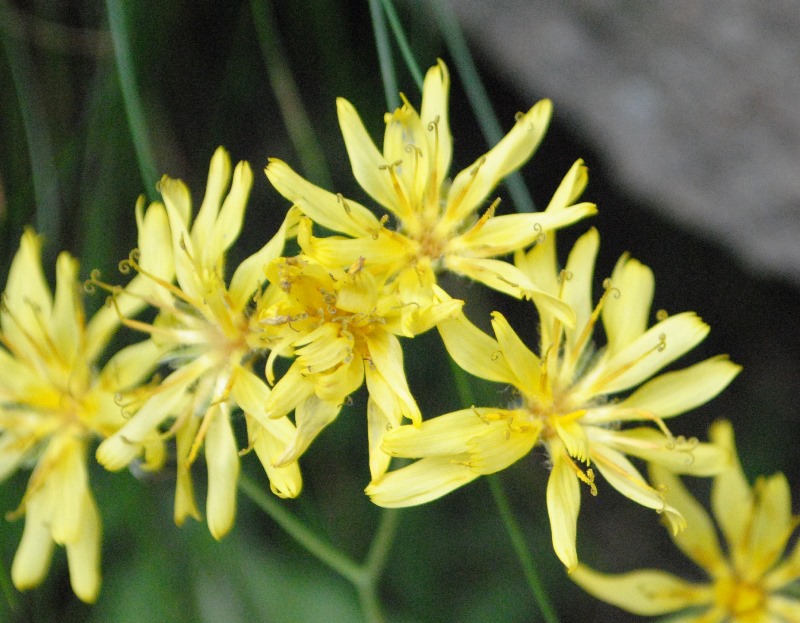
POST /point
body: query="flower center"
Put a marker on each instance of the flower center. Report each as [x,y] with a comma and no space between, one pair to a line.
[740,598]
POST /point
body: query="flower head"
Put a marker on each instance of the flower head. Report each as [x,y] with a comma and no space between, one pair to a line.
[563,397]
[204,327]
[341,326]
[747,579]
[437,225]
[54,402]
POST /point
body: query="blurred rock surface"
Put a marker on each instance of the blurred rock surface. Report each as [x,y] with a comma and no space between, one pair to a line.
[695,105]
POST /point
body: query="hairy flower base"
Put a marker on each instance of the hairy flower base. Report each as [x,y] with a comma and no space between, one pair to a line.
[747,583]
[563,398]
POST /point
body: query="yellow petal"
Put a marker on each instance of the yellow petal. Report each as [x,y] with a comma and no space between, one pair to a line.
[222,460]
[83,556]
[507,278]
[625,478]
[67,487]
[311,416]
[420,482]
[646,355]
[435,116]
[674,393]
[367,162]
[130,366]
[783,609]
[563,505]
[378,424]
[771,525]
[185,502]
[626,311]
[229,222]
[507,233]
[499,447]
[475,351]
[387,358]
[35,549]
[249,275]
[730,490]
[471,186]
[405,150]
[699,541]
[291,390]
[219,175]
[269,444]
[647,592]
[678,455]
[337,385]
[445,435]
[570,188]
[329,210]
[577,288]
[67,320]
[521,361]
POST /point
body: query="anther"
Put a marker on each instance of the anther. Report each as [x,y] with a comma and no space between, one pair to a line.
[662,315]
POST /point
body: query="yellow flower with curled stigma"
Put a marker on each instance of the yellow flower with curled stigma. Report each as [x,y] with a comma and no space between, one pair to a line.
[436,223]
[564,397]
[341,326]
[205,328]
[56,400]
[749,580]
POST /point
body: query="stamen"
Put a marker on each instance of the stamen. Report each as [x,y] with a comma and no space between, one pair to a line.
[586,477]
[588,329]
[660,347]
[453,206]
[662,315]
[482,220]
[398,188]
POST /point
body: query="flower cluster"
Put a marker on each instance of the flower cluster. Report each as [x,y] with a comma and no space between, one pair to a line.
[337,311]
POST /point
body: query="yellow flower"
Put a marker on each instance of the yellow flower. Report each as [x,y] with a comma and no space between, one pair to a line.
[436,223]
[205,328]
[747,581]
[564,397]
[54,402]
[342,327]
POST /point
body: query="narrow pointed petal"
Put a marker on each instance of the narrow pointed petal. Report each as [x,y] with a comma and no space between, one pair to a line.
[435,116]
[228,225]
[475,351]
[521,361]
[289,392]
[626,311]
[471,186]
[368,164]
[674,393]
[323,207]
[570,188]
[771,525]
[67,319]
[269,444]
[222,459]
[83,556]
[625,478]
[312,415]
[646,355]
[219,176]
[423,481]
[35,549]
[499,447]
[647,592]
[699,541]
[185,502]
[579,277]
[445,435]
[378,426]
[130,366]
[249,275]
[678,455]
[387,357]
[507,278]
[505,234]
[730,490]
[783,609]
[563,506]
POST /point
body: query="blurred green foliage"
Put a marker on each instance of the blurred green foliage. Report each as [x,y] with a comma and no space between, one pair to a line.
[261,77]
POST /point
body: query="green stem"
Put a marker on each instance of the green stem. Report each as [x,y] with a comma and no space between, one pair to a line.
[385,61]
[402,42]
[293,112]
[315,546]
[363,577]
[137,121]
[521,549]
[478,97]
